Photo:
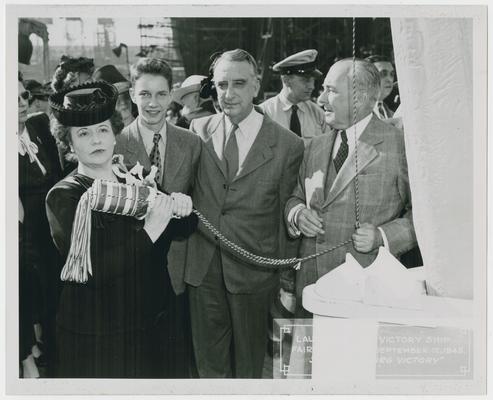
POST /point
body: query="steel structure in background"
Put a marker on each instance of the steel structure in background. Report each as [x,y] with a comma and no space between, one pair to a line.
[157,40]
[26,27]
[272,39]
[105,40]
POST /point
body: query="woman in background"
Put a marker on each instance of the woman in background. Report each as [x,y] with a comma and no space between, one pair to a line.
[124,104]
[39,170]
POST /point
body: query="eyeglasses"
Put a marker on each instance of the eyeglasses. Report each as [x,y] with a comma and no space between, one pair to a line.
[26,95]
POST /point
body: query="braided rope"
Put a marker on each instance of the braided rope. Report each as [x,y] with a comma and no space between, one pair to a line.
[260,260]
[279,262]
[356,182]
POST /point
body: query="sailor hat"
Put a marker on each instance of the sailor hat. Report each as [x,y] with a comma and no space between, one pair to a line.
[302,63]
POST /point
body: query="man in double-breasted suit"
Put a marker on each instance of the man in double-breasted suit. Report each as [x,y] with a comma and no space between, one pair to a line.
[247,170]
[322,208]
[151,140]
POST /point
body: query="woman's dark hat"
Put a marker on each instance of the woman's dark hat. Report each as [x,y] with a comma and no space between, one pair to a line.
[81,64]
[38,90]
[111,74]
[83,105]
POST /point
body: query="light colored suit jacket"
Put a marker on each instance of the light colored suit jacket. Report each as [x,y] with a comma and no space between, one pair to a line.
[249,210]
[384,198]
[180,167]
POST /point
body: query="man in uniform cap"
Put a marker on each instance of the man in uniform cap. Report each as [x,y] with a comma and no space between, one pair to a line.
[292,107]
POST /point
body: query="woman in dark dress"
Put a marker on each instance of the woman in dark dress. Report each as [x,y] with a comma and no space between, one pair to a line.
[39,170]
[114,325]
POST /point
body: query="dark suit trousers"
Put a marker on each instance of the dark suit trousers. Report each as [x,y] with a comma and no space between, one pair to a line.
[229,330]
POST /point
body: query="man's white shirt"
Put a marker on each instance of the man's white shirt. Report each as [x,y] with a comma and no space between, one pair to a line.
[246,134]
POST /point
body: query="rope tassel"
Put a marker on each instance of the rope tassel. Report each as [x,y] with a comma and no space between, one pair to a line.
[108,197]
[78,264]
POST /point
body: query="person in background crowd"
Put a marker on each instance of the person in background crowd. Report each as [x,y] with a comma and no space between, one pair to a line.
[110,74]
[71,71]
[39,97]
[39,169]
[115,324]
[150,140]
[27,337]
[292,107]
[247,170]
[384,193]
[195,103]
[387,77]
[413,257]
[173,113]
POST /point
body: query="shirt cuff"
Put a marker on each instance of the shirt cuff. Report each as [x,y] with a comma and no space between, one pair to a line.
[293,213]
[384,238]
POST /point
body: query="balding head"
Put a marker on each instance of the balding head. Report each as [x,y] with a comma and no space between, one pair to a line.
[337,98]
[367,79]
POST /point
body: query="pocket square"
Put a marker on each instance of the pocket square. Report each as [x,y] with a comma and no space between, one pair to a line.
[313,183]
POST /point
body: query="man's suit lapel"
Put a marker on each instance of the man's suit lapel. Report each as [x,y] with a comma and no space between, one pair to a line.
[366,154]
[216,123]
[174,156]
[261,150]
[135,148]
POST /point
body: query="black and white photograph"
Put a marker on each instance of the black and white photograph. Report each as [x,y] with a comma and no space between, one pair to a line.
[245,199]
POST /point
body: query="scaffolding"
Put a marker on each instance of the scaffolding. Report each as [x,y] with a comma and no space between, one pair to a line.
[272,39]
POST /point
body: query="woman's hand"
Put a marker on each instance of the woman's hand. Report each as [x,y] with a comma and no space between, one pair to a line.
[159,216]
[182,205]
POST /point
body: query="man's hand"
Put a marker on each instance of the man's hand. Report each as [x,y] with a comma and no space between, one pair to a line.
[182,205]
[309,223]
[367,238]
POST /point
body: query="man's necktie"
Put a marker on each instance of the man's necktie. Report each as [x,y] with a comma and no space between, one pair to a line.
[381,110]
[155,157]
[294,124]
[342,153]
[230,154]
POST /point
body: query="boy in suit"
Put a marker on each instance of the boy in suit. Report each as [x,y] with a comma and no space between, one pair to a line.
[151,140]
